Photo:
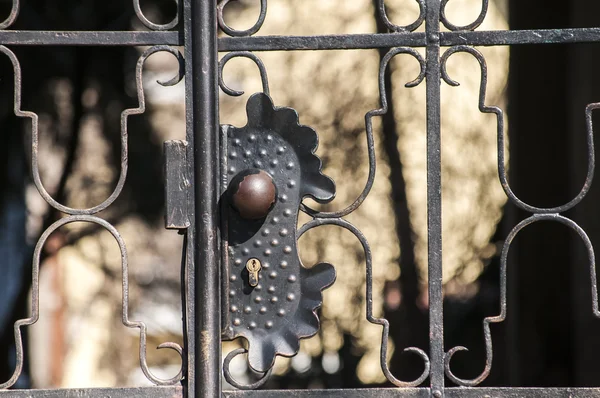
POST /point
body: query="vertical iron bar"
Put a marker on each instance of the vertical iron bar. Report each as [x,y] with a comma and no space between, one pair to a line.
[434,201]
[206,172]
[189,277]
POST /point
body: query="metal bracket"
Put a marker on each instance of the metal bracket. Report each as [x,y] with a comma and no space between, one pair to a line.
[177,185]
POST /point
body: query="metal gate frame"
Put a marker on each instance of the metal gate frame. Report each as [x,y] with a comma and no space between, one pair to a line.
[198,24]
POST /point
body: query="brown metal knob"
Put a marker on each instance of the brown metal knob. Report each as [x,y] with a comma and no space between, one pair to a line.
[253,193]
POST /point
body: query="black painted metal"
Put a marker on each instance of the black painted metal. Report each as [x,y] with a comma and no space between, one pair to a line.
[189,259]
[275,312]
[434,200]
[208,157]
[424,393]
[179,392]
[205,124]
[177,185]
[141,392]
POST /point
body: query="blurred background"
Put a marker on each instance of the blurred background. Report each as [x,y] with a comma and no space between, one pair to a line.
[550,337]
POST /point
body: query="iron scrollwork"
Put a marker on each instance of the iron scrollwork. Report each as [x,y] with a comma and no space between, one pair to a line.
[250,240]
[87,216]
[539,214]
[151,25]
[281,195]
[240,33]
[472,26]
[381,10]
[12,16]
[336,218]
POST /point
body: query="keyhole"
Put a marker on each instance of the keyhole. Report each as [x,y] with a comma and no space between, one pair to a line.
[253,266]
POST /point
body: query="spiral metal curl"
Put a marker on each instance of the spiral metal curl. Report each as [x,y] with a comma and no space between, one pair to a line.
[239,33]
[151,25]
[231,380]
[472,26]
[242,54]
[397,28]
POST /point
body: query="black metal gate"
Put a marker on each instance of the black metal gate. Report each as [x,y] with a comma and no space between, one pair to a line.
[263,171]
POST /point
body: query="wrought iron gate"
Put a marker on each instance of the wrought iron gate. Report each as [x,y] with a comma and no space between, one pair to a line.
[219,269]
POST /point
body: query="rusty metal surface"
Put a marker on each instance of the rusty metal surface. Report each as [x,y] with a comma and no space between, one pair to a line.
[88,215]
[141,392]
[439,46]
[278,310]
[204,161]
[354,393]
[177,185]
[178,392]
[203,123]
[453,392]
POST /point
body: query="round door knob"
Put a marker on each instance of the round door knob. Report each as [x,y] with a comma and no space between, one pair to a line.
[253,193]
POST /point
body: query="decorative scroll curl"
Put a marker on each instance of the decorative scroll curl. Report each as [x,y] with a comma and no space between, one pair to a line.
[239,33]
[242,54]
[369,298]
[231,380]
[335,218]
[472,26]
[12,17]
[483,108]
[86,215]
[539,214]
[151,25]
[369,131]
[35,302]
[124,135]
[396,28]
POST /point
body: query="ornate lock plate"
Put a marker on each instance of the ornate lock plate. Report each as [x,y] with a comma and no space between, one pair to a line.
[271,298]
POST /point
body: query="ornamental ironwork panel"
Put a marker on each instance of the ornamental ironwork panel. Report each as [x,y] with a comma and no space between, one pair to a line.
[235,194]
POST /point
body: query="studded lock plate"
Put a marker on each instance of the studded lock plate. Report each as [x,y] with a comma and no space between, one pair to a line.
[271,297]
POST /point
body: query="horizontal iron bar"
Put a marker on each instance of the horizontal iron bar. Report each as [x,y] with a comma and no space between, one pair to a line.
[323,42]
[141,392]
[510,37]
[177,392]
[53,38]
[507,392]
[416,39]
[458,392]
[349,393]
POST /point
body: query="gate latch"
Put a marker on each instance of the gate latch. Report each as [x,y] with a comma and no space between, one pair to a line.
[177,185]
[270,167]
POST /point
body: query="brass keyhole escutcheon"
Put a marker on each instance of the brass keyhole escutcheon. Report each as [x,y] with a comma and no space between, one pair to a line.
[253,266]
